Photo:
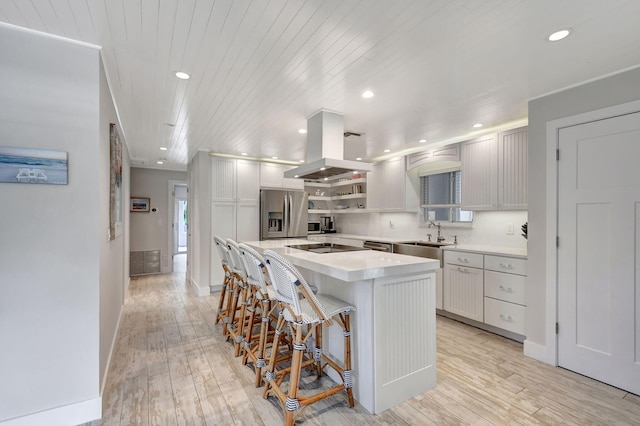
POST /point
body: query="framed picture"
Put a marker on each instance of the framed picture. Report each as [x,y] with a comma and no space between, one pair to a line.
[140,204]
[115,200]
[26,165]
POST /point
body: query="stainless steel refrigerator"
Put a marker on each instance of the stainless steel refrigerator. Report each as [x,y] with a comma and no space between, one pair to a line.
[283,214]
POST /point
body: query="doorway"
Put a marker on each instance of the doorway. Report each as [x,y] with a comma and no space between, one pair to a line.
[178,207]
[599,250]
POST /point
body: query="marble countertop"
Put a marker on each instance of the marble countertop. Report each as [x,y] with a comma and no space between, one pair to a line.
[349,266]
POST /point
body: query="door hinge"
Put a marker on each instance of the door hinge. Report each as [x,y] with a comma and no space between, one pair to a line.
[557,155]
[557,241]
[557,328]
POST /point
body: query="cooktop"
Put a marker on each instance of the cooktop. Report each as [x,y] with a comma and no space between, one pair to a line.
[325,248]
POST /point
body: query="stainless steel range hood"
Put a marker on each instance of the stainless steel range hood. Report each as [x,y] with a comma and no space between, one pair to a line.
[325,149]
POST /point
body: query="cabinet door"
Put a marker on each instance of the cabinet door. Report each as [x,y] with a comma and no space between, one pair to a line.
[512,169]
[223,179]
[248,222]
[463,291]
[394,184]
[223,224]
[271,175]
[480,174]
[375,189]
[248,182]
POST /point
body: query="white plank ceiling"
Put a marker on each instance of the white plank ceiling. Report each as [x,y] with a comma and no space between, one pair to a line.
[260,68]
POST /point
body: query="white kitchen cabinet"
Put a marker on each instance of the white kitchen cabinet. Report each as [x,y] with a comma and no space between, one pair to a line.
[504,287]
[463,291]
[495,171]
[272,176]
[512,169]
[387,187]
[235,205]
[480,173]
[487,283]
[445,153]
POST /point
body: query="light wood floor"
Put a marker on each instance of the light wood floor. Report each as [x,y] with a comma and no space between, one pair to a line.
[172,366]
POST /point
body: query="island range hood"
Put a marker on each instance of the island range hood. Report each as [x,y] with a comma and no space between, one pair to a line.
[325,149]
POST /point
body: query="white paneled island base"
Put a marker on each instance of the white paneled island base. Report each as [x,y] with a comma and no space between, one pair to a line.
[394,333]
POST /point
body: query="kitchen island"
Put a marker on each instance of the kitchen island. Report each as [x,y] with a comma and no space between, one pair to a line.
[394,330]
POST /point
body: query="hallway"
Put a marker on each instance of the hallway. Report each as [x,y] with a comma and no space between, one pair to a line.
[172,366]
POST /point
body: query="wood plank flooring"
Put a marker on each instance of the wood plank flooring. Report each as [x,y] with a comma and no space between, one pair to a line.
[172,367]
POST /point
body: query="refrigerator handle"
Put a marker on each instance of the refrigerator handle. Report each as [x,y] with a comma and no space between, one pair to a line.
[285,210]
[289,213]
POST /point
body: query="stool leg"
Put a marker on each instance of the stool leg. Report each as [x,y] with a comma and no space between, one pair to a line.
[223,292]
[270,375]
[262,342]
[239,329]
[232,302]
[347,359]
[292,403]
[255,303]
[317,354]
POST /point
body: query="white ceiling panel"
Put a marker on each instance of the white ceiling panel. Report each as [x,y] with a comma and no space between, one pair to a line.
[260,68]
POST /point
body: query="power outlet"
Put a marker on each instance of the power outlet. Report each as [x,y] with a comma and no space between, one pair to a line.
[508,228]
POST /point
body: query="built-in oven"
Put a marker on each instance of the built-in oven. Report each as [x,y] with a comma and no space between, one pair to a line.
[378,246]
[313,227]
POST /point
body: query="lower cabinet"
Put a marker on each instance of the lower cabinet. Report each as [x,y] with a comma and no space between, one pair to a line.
[463,285]
[486,288]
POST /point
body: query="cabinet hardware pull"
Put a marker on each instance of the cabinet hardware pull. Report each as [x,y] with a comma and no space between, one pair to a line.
[465,260]
[508,289]
[506,318]
[506,266]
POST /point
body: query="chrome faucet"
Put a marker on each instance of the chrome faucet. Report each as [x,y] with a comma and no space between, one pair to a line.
[440,237]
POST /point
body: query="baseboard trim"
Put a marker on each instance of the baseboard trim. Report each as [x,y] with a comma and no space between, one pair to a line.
[201,291]
[112,350]
[539,352]
[72,414]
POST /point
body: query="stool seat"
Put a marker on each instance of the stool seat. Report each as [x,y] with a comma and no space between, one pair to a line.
[332,306]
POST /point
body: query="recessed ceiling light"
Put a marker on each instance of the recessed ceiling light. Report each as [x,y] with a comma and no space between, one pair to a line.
[326,178]
[559,35]
[322,168]
[387,150]
[302,130]
[275,158]
[160,162]
[477,125]
[422,140]
[359,159]
[296,176]
[183,75]
[367,94]
[163,148]
[244,153]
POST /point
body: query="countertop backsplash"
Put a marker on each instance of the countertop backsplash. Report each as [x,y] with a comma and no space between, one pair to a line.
[488,229]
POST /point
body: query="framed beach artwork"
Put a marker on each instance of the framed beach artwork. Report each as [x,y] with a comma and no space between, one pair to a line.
[115,202]
[27,165]
[139,204]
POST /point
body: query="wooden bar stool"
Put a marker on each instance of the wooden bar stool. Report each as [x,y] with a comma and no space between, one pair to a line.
[305,313]
[239,313]
[227,283]
[266,304]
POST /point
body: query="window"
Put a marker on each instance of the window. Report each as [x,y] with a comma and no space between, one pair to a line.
[440,197]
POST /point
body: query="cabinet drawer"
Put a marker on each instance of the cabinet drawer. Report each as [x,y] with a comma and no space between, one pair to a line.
[463,258]
[507,287]
[505,315]
[506,264]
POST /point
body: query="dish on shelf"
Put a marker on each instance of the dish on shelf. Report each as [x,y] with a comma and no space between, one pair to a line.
[340,207]
[311,205]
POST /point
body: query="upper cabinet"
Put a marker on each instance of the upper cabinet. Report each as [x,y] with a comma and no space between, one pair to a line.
[389,189]
[480,173]
[272,176]
[445,153]
[234,181]
[513,170]
[494,171]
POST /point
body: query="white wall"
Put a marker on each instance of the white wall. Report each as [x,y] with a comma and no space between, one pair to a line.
[114,261]
[614,90]
[150,231]
[488,227]
[199,234]
[50,250]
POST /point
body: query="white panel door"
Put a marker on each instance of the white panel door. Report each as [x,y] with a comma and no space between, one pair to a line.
[512,169]
[598,257]
[223,179]
[247,182]
[248,222]
[480,173]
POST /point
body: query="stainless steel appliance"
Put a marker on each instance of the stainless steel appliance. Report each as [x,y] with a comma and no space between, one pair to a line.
[283,214]
[327,224]
[378,246]
[313,227]
[326,248]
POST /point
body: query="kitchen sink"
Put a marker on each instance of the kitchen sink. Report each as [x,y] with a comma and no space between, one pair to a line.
[428,249]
